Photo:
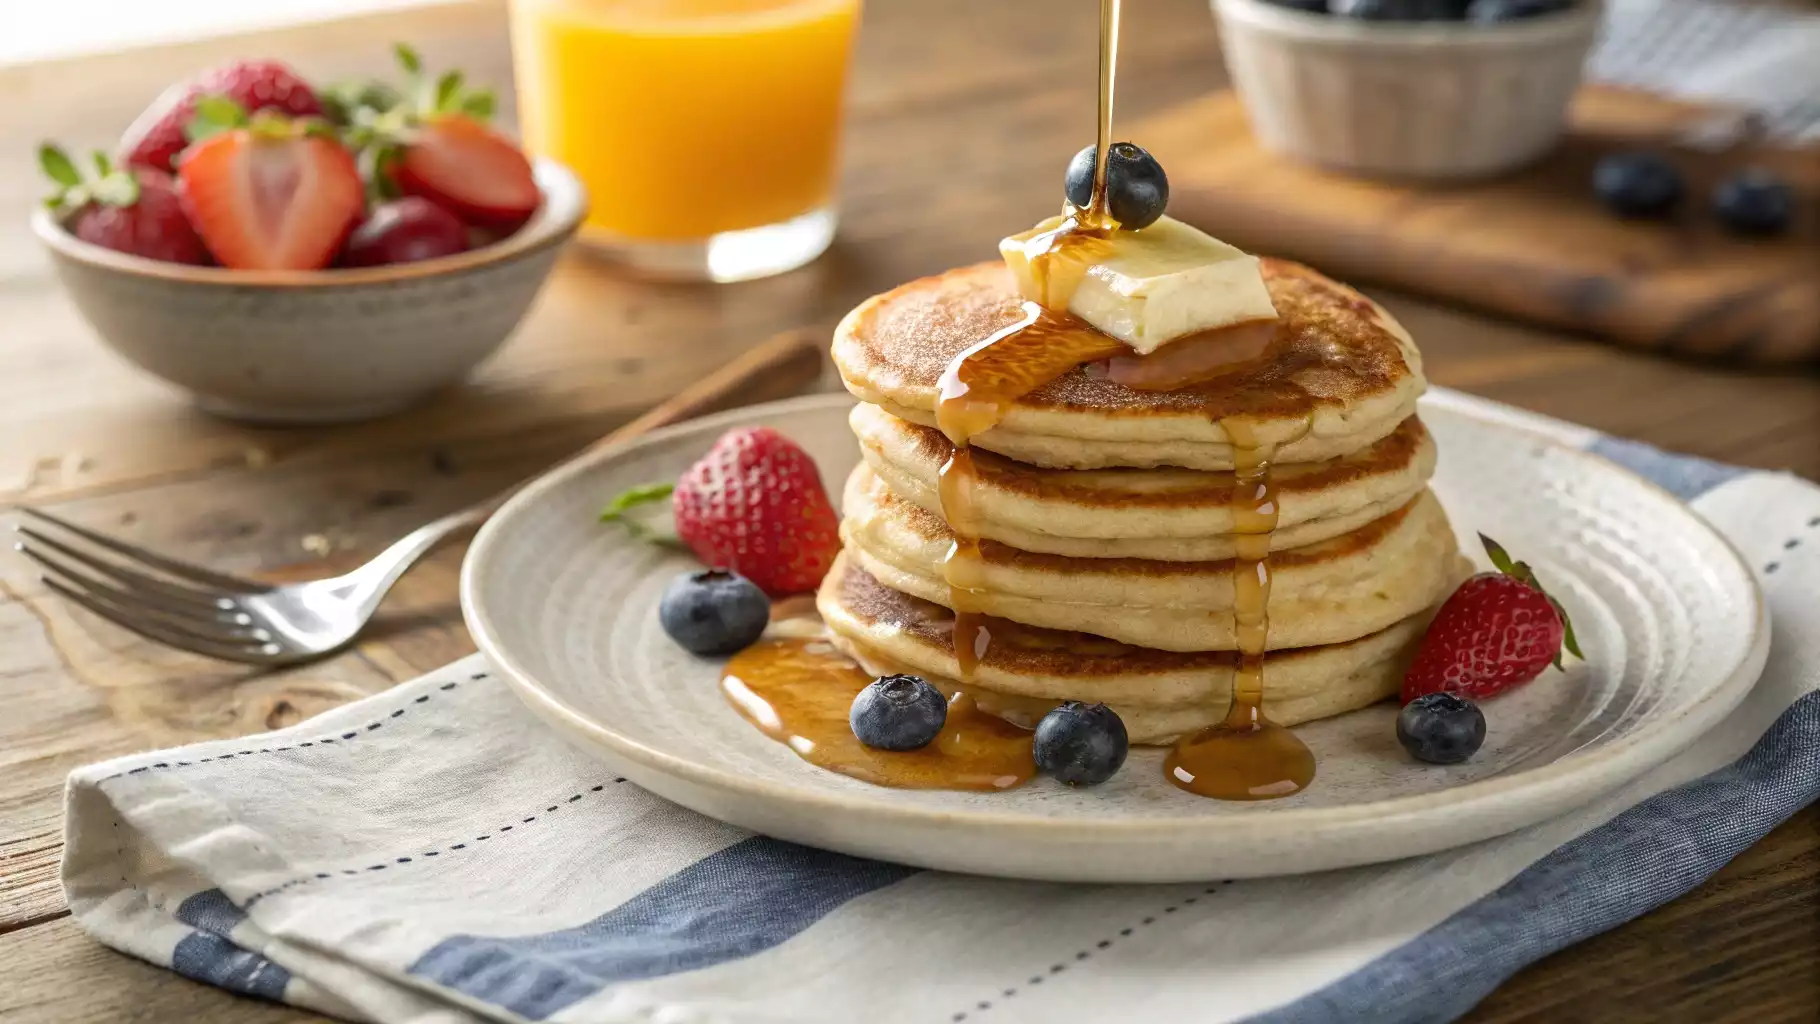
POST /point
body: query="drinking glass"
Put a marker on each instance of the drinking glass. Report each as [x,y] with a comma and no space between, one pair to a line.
[706,131]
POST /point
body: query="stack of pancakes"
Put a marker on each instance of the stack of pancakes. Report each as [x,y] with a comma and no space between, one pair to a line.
[1105,515]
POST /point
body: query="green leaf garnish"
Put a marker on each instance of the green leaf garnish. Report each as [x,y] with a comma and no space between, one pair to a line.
[633,509]
[631,498]
[407,58]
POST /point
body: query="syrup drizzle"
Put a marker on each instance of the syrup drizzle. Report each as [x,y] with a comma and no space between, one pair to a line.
[798,691]
[1246,757]
[979,387]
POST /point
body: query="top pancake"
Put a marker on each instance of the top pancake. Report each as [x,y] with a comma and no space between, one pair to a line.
[1341,374]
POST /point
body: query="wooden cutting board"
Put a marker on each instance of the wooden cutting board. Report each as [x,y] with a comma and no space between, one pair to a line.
[1535,245]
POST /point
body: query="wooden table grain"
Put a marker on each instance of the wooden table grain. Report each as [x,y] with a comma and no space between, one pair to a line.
[962,116]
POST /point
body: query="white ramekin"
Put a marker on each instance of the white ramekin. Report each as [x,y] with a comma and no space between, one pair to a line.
[1432,100]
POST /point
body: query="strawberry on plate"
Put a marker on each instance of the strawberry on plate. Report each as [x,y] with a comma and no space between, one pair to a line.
[158,135]
[753,504]
[130,210]
[1499,630]
[269,193]
[467,168]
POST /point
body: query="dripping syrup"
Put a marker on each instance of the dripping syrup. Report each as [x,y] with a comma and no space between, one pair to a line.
[1247,756]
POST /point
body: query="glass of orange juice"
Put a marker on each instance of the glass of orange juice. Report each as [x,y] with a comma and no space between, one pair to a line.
[706,131]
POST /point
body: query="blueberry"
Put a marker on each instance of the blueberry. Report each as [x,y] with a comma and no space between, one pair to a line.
[898,713]
[713,612]
[1400,10]
[1137,189]
[1637,184]
[1441,728]
[1081,744]
[1492,11]
[1755,202]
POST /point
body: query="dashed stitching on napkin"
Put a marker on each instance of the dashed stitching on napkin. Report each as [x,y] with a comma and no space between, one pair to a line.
[321,876]
[323,741]
[1085,954]
[1790,544]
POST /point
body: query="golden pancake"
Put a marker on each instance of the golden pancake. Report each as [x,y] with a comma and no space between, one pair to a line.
[1341,374]
[1171,514]
[1160,695]
[1329,592]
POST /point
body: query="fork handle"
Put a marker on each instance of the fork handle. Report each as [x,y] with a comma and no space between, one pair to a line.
[778,367]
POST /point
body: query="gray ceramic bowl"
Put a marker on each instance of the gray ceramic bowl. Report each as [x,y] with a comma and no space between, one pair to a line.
[317,346]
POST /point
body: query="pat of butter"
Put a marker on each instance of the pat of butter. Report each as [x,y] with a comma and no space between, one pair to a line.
[1148,287]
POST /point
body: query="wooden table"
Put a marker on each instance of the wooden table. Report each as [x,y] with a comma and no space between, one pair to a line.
[963,115]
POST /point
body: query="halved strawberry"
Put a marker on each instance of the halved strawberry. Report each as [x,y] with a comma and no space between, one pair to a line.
[460,164]
[269,194]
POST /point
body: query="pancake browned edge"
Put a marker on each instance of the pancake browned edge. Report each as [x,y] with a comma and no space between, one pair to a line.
[1161,695]
[1341,374]
[1330,592]
[1165,513]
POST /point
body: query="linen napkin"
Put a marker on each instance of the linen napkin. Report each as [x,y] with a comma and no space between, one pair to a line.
[433,854]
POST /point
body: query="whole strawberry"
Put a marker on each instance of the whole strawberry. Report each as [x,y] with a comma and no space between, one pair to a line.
[157,136]
[133,211]
[753,504]
[1499,630]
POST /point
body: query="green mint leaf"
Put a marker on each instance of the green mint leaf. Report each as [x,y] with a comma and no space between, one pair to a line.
[407,58]
[104,165]
[447,88]
[57,166]
[644,494]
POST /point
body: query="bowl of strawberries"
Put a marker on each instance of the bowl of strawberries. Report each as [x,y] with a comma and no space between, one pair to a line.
[288,254]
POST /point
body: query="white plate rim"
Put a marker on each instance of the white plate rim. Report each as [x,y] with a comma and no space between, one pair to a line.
[1551,785]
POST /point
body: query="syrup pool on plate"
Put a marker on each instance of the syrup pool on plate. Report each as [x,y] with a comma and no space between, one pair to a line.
[797,690]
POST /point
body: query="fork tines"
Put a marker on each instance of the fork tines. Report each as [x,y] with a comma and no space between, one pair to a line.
[159,598]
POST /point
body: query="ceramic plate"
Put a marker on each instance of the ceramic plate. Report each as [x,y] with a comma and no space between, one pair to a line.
[1669,617]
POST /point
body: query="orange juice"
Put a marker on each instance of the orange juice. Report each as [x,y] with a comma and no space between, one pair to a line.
[686,118]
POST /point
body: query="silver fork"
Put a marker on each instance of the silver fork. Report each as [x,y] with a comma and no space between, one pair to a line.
[236,619]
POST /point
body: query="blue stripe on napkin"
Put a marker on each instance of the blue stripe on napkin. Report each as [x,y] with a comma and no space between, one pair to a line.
[1685,476]
[208,955]
[1636,862]
[742,900]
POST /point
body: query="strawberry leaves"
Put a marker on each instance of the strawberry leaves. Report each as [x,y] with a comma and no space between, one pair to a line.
[109,186]
[1521,572]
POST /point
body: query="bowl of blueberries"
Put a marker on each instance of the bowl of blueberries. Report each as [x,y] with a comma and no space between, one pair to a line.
[1421,89]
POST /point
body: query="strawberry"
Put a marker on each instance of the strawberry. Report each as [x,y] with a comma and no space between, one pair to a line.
[127,210]
[270,193]
[467,168]
[753,504]
[157,136]
[1497,631]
